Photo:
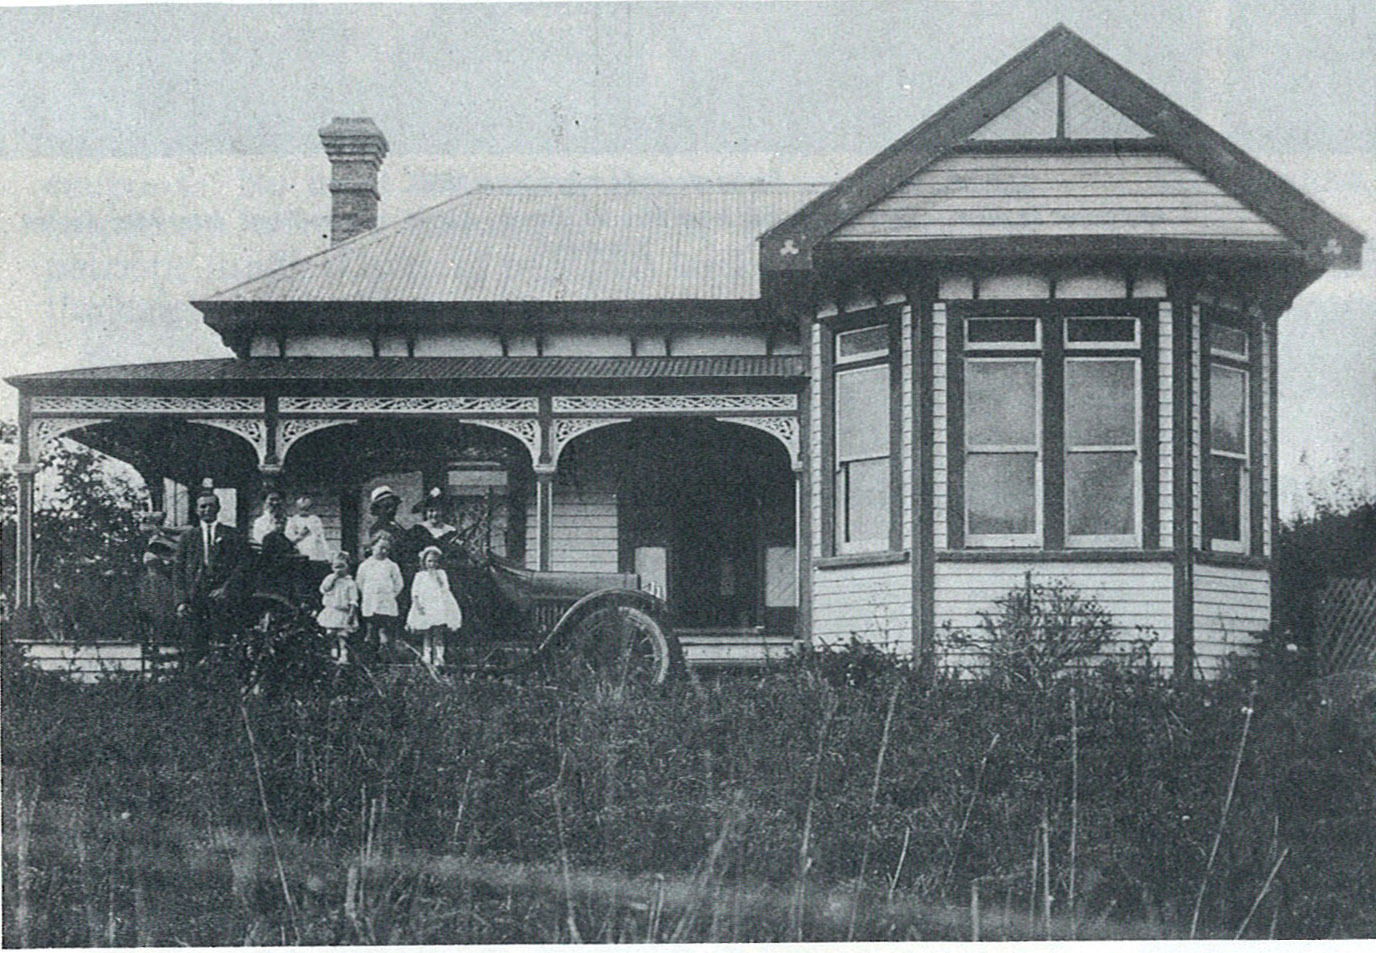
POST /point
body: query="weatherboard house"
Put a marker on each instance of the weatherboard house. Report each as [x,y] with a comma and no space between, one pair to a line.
[1036,333]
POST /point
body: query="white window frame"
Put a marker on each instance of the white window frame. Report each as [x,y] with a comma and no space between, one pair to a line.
[1109,540]
[840,474]
[1034,539]
[1244,498]
[862,355]
[1134,345]
[982,346]
[1217,349]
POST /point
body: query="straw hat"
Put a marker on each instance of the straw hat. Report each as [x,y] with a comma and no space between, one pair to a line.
[380,494]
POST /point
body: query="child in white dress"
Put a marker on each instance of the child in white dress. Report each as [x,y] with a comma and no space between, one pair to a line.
[379,583]
[434,615]
[340,597]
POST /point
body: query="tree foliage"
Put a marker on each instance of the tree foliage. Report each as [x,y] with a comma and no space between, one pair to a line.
[1334,538]
[87,542]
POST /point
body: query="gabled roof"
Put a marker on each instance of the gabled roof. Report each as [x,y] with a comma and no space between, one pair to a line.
[1011,103]
[548,243]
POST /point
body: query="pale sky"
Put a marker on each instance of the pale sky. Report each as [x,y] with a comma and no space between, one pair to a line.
[154,154]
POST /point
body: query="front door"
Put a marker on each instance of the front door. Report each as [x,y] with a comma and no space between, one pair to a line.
[713,554]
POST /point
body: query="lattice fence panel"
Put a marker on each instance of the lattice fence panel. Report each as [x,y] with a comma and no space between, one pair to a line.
[1347,625]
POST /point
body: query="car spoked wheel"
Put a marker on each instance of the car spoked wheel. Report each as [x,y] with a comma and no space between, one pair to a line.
[619,645]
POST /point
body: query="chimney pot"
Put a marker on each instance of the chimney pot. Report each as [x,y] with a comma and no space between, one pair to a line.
[355,147]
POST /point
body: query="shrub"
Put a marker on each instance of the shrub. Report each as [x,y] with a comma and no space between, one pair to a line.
[1038,631]
[1334,538]
[857,663]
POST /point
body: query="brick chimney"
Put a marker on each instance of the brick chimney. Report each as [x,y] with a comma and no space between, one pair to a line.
[355,147]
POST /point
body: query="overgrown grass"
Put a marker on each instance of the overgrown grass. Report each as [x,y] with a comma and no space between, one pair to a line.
[397,809]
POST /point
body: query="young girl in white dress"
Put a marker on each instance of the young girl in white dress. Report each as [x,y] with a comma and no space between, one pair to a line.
[434,615]
[340,597]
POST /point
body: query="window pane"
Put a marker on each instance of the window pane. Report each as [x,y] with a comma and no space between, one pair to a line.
[1232,340]
[862,503]
[862,413]
[1224,499]
[1101,330]
[1001,330]
[1000,403]
[652,563]
[1100,403]
[1099,494]
[780,577]
[1000,493]
[862,341]
[1228,409]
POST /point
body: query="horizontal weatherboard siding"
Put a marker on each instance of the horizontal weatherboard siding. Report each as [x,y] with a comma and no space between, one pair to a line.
[1149,195]
[583,520]
[583,532]
[869,603]
[1137,595]
[1231,605]
[904,500]
[940,482]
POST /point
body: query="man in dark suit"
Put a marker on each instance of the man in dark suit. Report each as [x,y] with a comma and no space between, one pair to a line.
[209,571]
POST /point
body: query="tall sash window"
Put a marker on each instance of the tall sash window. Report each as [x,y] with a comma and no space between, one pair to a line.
[1227,492]
[863,447]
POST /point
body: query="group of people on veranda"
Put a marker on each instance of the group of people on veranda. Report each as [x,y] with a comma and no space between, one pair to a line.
[401,596]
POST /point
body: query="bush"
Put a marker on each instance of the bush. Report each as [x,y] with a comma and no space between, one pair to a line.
[1037,631]
[1335,539]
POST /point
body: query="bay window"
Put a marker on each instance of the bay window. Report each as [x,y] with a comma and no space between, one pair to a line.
[1050,427]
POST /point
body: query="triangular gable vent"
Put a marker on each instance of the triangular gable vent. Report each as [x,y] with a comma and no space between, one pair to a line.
[1032,117]
[1060,108]
[1089,117]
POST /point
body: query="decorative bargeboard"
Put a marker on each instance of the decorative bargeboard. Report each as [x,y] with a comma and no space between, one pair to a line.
[44,430]
[524,429]
[675,403]
[252,429]
[146,405]
[409,405]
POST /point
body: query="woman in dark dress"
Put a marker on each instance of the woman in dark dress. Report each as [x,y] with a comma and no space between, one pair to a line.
[432,530]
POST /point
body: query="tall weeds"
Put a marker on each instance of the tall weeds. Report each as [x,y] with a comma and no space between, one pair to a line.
[805,801]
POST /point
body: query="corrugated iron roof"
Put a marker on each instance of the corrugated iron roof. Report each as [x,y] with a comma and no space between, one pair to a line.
[282,369]
[550,243]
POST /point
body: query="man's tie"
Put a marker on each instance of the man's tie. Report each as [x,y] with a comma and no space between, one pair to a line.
[208,527]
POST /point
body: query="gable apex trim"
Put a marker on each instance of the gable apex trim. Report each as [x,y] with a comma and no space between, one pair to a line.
[1319,237]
